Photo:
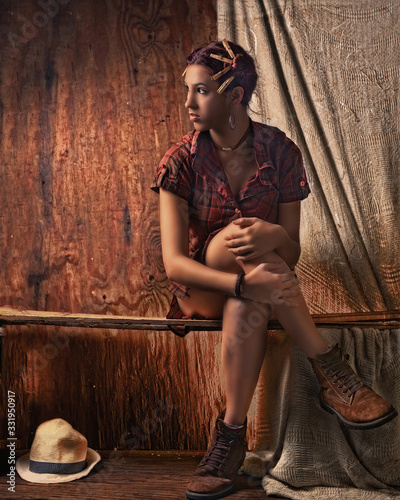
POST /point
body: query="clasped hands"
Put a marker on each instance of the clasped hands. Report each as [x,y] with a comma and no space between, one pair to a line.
[252,238]
[269,282]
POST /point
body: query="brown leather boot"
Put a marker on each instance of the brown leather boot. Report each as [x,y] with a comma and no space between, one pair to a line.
[215,476]
[345,395]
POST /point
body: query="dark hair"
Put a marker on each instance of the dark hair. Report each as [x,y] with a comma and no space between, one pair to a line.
[244,69]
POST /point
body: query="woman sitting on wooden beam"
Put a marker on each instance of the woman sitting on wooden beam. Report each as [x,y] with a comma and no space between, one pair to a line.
[230,195]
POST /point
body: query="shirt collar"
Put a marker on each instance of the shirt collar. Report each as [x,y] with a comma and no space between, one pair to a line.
[207,164]
[262,135]
[203,147]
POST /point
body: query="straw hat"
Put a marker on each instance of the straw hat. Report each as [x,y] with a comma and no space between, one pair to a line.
[58,454]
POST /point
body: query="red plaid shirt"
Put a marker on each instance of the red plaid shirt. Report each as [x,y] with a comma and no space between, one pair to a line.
[192,170]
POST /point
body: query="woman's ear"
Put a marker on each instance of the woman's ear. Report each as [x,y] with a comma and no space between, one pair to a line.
[237,95]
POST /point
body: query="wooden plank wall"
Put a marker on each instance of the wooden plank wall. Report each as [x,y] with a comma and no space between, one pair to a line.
[91,96]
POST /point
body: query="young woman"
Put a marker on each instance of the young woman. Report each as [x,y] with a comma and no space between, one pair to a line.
[230,195]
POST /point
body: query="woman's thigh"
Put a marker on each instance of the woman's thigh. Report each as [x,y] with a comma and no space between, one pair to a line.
[211,304]
[217,256]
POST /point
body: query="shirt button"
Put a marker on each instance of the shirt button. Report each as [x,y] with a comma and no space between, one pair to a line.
[302,183]
[237,210]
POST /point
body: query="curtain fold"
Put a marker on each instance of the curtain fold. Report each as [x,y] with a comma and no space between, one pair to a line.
[329,78]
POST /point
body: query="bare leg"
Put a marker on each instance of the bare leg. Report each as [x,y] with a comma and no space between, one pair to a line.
[244,331]
[244,339]
[297,321]
[244,342]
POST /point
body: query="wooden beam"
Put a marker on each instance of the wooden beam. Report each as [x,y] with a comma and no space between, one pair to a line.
[8,316]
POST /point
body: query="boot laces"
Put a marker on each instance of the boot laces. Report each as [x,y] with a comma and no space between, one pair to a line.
[219,450]
[338,368]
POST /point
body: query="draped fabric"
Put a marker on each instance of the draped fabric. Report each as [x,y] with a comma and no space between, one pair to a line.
[301,451]
[329,77]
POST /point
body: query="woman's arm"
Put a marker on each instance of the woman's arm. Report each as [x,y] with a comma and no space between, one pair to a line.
[175,248]
[289,239]
[260,282]
[255,236]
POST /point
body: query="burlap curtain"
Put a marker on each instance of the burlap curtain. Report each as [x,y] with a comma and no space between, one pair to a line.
[329,77]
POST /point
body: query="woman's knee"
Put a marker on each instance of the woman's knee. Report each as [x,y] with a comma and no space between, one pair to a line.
[280,266]
[219,257]
[217,254]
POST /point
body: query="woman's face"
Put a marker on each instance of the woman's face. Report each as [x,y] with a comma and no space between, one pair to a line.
[207,109]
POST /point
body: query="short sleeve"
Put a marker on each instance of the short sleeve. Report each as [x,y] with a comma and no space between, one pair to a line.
[174,173]
[293,184]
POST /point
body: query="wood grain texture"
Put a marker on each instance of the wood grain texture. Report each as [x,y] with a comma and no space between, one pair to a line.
[161,475]
[90,100]
[377,319]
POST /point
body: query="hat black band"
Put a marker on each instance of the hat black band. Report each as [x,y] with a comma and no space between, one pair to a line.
[56,467]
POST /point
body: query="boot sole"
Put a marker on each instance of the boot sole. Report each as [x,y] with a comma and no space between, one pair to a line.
[359,425]
[210,496]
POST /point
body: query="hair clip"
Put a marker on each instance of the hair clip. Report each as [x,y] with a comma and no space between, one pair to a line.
[231,63]
[224,85]
[184,73]
[218,75]
[221,58]
[228,48]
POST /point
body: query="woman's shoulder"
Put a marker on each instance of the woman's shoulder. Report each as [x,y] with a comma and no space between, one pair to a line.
[270,132]
[274,142]
[180,150]
[174,169]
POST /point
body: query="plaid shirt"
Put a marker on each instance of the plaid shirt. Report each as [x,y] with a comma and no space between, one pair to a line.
[192,170]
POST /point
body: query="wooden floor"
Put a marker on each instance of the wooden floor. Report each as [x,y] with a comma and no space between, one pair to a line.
[135,475]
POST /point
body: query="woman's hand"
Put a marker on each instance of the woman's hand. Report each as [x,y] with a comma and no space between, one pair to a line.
[267,283]
[253,237]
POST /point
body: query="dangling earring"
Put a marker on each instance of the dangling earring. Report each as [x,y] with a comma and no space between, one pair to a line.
[232,120]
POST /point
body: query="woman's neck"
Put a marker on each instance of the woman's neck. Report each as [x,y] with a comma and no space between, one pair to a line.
[225,136]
